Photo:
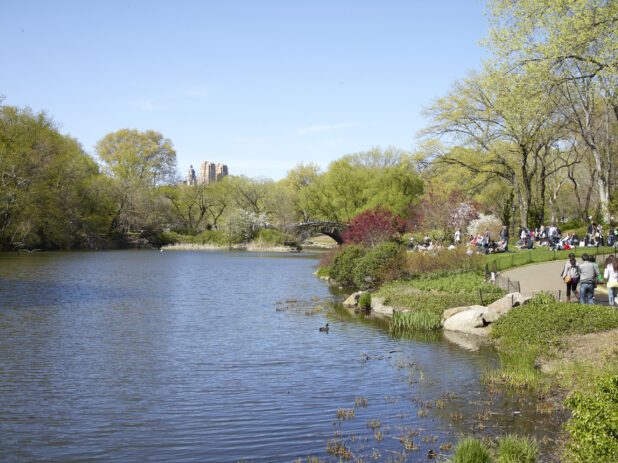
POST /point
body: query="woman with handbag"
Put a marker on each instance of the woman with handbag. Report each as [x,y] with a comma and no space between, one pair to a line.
[611,275]
[570,275]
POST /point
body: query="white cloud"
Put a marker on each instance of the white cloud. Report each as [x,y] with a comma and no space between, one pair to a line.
[326,128]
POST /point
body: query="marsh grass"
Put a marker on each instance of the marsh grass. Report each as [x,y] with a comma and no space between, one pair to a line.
[514,449]
[423,320]
[471,450]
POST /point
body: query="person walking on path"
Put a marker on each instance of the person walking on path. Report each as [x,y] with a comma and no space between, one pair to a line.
[588,275]
[611,275]
[570,275]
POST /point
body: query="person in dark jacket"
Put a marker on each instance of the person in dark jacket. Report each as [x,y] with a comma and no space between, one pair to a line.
[588,274]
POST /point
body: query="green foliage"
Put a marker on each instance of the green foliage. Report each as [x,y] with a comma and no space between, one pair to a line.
[359,182]
[543,320]
[214,237]
[275,237]
[52,195]
[535,328]
[468,282]
[424,320]
[366,270]
[163,239]
[344,263]
[514,449]
[471,450]
[364,301]
[498,262]
[594,424]
[443,262]
[438,293]
[325,271]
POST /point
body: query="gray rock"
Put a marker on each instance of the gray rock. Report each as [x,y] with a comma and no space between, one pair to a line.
[509,301]
[455,310]
[378,307]
[352,300]
[476,320]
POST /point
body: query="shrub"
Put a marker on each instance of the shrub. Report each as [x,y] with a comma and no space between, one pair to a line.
[163,239]
[345,261]
[594,423]
[513,449]
[366,270]
[471,450]
[443,261]
[372,227]
[327,257]
[364,301]
[215,237]
[272,237]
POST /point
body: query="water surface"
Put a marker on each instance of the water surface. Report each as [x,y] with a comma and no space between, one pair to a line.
[183,356]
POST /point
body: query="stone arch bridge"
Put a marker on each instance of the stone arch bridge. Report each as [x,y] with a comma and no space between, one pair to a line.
[305,230]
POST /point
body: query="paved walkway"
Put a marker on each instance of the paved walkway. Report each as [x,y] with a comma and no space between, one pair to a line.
[545,276]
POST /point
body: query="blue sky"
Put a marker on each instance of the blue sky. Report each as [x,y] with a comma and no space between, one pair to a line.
[257,85]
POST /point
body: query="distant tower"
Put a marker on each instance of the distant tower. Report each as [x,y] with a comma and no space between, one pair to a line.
[191,180]
[207,173]
[221,171]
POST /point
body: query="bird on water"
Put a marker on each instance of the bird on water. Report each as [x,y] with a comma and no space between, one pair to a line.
[324,328]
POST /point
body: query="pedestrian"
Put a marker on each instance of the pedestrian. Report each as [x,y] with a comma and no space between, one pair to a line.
[570,275]
[458,237]
[588,279]
[611,275]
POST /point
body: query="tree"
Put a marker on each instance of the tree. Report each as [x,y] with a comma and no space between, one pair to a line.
[52,194]
[501,125]
[138,162]
[442,212]
[362,181]
[571,46]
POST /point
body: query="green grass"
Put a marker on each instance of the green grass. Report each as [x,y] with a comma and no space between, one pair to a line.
[536,328]
[422,320]
[436,294]
[514,449]
[499,262]
[471,450]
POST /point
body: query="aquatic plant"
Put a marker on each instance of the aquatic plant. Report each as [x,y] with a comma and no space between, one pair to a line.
[471,450]
[364,301]
[514,449]
[414,320]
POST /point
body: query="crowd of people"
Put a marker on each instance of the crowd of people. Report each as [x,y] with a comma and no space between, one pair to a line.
[587,275]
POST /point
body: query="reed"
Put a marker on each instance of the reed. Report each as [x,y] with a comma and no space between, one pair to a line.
[414,320]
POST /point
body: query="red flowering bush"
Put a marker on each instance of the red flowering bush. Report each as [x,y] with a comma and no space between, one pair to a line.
[372,227]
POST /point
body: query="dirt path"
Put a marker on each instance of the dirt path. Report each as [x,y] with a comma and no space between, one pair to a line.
[545,276]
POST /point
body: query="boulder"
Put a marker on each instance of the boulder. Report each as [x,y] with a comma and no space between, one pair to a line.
[476,320]
[448,313]
[509,301]
[352,300]
[378,307]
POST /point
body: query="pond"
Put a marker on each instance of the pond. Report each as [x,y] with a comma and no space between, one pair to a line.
[218,357]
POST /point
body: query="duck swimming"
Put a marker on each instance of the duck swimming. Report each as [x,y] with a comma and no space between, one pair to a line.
[324,328]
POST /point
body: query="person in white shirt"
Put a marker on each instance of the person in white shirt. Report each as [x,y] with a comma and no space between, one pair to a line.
[611,275]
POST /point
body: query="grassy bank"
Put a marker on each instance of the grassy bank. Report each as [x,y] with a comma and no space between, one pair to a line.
[562,349]
[500,262]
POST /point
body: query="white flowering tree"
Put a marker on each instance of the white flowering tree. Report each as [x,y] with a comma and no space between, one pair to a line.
[483,223]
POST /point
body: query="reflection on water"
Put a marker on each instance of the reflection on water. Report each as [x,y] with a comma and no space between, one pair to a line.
[196,356]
